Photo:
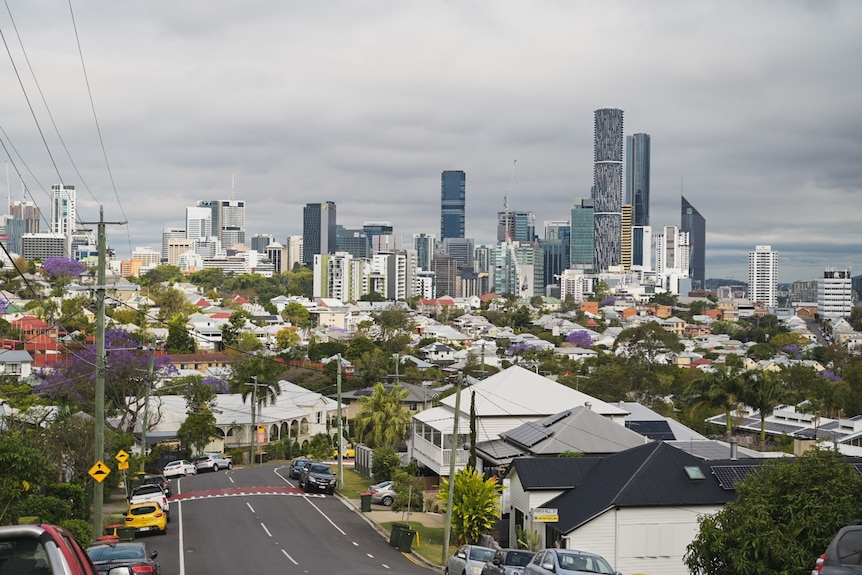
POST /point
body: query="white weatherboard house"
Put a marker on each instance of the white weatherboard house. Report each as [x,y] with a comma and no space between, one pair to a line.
[502,402]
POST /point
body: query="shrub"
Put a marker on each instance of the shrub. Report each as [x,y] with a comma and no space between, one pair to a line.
[47,508]
[72,493]
[82,530]
[384,460]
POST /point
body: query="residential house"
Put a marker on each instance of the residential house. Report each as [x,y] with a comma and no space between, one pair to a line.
[502,402]
[15,363]
[638,508]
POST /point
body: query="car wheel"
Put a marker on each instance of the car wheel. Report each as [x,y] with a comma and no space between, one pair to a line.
[215,467]
[387,500]
[229,466]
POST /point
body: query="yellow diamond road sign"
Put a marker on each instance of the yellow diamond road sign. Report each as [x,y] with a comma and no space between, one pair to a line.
[121,456]
[123,465]
[99,471]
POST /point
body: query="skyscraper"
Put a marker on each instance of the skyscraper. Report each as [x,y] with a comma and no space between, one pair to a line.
[64,213]
[608,187]
[318,231]
[835,294]
[763,276]
[198,223]
[695,224]
[583,246]
[227,221]
[452,204]
[424,246]
[637,177]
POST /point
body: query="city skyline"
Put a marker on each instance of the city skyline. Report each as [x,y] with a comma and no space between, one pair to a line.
[761,136]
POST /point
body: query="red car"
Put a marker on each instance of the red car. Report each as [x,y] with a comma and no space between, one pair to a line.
[45,549]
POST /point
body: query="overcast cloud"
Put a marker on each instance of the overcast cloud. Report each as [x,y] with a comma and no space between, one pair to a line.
[753,110]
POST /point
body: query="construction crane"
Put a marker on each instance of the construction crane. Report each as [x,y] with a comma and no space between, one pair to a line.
[521,283]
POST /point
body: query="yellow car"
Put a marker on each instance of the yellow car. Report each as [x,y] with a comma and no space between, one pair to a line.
[349,453]
[147,517]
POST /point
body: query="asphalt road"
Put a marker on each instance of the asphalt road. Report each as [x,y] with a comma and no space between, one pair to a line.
[256,520]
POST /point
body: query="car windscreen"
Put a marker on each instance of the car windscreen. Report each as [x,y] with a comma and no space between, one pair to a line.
[519,558]
[147,489]
[479,554]
[319,468]
[114,553]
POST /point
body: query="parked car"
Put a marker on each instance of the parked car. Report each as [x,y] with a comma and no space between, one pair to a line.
[382,493]
[349,453]
[469,559]
[296,467]
[317,477]
[45,548]
[508,562]
[844,553]
[213,462]
[151,492]
[147,517]
[134,554]
[179,468]
[567,562]
[160,480]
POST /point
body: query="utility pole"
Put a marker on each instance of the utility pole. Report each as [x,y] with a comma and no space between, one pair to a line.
[253,427]
[340,428]
[147,409]
[447,530]
[99,415]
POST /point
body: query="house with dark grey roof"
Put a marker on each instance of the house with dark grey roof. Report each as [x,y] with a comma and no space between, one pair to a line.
[638,508]
[577,430]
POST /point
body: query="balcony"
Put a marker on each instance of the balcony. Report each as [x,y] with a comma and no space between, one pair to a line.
[436,458]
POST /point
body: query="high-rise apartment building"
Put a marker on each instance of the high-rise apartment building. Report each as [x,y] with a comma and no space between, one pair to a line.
[461,249]
[695,224]
[64,213]
[626,240]
[763,276]
[556,248]
[318,231]
[637,177]
[608,187]
[835,294]
[294,251]
[672,259]
[583,247]
[147,256]
[453,193]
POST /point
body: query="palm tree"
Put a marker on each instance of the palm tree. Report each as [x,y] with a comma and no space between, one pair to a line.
[721,388]
[764,392]
[382,419]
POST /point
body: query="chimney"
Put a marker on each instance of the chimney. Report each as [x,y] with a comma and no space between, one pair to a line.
[733,448]
[588,405]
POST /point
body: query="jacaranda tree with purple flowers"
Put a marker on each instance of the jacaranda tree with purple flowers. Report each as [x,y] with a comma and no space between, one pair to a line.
[73,382]
[580,338]
[62,270]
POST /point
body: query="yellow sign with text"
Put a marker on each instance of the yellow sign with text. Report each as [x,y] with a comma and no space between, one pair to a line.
[123,465]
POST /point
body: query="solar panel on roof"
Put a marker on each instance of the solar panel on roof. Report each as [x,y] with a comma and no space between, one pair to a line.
[528,434]
[730,475]
[548,422]
[655,430]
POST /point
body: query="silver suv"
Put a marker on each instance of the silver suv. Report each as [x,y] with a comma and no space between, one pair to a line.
[844,554]
[212,462]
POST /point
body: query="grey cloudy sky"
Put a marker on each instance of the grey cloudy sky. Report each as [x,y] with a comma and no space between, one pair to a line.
[753,110]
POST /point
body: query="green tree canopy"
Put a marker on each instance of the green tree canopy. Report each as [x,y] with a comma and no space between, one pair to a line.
[784,517]
[23,467]
[382,418]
